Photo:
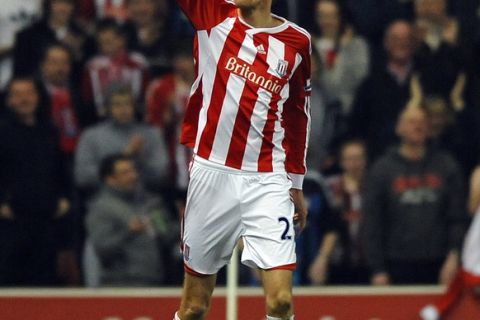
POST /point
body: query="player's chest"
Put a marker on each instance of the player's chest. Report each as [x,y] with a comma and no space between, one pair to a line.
[263,60]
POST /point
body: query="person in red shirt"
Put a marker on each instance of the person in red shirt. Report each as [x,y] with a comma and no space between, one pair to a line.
[248,122]
[112,66]
[55,72]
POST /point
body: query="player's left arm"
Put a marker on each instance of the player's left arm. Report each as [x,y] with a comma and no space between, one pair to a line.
[296,120]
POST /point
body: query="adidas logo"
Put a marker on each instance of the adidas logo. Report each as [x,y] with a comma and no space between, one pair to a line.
[261,49]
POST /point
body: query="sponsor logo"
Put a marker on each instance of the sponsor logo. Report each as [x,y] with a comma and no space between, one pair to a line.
[243,69]
[282,68]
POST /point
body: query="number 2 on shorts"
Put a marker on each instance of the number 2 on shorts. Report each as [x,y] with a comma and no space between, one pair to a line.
[287,228]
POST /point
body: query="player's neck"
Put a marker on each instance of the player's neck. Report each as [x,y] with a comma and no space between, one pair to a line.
[260,17]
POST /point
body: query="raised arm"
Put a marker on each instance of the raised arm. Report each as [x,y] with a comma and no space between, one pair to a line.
[205,14]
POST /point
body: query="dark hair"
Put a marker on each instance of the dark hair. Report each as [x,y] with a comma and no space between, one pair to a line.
[110,24]
[352,141]
[117,89]
[47,6]
[343,16]
[21,79]
[107,166]
[42,113]
[56,45]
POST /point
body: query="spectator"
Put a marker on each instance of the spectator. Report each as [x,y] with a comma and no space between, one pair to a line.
[455,132]
[57,25]
[33,192]
[344,55]
[340,259]
[65,107]
[120,133]
[94,10]
[14,16]
[126,226]
[439,60]
[167,99]
[414,209]
[151,33]
[385,92]
[372,17]
[113,64]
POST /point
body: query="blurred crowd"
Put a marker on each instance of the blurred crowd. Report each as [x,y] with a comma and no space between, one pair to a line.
[93,178]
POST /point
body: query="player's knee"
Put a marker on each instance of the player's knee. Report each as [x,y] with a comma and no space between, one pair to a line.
[195,311]
[280,304]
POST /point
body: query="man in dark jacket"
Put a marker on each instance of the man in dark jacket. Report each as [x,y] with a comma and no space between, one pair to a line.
[383,94]
[57,25]
[32,190]
[414,209]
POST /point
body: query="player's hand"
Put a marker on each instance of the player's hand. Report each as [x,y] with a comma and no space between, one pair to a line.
[300,216]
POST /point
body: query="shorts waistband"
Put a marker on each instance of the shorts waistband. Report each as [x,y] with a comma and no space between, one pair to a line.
[208,164]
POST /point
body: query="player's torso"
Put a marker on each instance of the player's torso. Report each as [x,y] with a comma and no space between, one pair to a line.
[245,74]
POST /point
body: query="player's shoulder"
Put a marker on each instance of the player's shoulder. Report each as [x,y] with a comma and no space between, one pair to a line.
[297,36]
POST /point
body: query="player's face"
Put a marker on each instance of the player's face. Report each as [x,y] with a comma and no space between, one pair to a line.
[125,176]
[23,98]
[121,108]
[56,67]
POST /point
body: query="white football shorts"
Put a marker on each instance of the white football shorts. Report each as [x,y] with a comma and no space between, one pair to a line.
[224,205]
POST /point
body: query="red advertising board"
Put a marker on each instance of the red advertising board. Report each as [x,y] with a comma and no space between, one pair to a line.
[310,304]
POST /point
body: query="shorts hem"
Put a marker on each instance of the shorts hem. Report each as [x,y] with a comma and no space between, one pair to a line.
[289,267]
[192,272]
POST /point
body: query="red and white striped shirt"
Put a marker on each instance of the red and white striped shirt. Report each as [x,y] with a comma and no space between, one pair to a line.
[250,104]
